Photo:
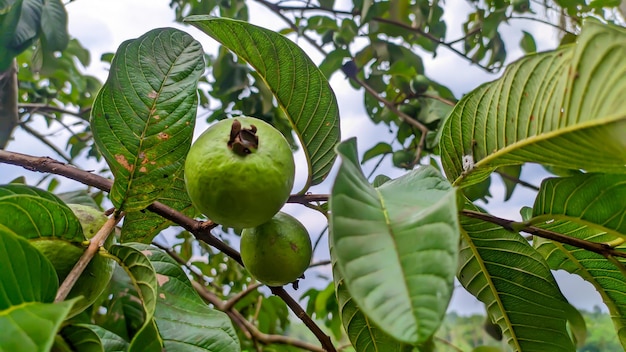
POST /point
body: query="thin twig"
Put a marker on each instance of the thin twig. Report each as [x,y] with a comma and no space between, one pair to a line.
[540,21]
[45,141]
[438,98]
[319,238]
[94,246]
[307,198]
[517,180]
[34,107]
[228,305]
[510,225]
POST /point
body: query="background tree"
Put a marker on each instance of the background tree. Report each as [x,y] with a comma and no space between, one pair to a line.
[394,244]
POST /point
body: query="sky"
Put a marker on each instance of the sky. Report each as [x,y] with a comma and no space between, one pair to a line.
[101,26]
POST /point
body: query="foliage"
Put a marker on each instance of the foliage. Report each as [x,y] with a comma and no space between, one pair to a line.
[396,246]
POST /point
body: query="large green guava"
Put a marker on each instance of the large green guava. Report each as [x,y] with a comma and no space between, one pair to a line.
[239,172]
[277,252]
[64,254]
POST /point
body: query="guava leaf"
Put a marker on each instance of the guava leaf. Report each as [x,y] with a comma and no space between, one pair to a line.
[584,206]
[396,246]
[143,226]
[588,199]
[143,117]
[143,277]
[563,108]
[26,275]
[504,272]
[183,319]
[110,341]
[54,35]
[364,336]
[34,213]
[300,88]
[32,326]
[82,338]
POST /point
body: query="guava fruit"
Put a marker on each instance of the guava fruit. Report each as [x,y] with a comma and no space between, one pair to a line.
[64,254]
[239,172]
[277,252]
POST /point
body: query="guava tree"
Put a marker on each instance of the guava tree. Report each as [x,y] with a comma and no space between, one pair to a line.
[76,277]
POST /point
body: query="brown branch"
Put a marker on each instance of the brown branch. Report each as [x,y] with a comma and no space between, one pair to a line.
[438,98]
[307,198]
[228,305]
[201,230]
[510,225]
[94,246]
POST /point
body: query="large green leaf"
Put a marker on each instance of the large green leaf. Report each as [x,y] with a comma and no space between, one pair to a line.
[28,284]
[588,207]
[26,275]
[300,88]
[185,322]
[33,213]
[504,272]
[32,326]
[396,246]
[563,108]
[588,199]
[143,117]
[364,336]
[143,226]
[144,278]
[54,35]
[608,276]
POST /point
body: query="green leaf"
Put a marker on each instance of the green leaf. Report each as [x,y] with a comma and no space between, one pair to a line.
[504,272]
[300,87]
[9,19]
[26,275]
[143,226]
[54,35]
[32,326]
[82,338]
[563,108]
[378,149]
[33,213]
[528,43]
[396,246]
[110,341]
[585,207]
[185,322]
[588,199]
[143,117]
[363,334]
[606,275]
[144,278]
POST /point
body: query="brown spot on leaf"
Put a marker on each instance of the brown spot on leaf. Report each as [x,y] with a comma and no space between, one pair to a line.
[121,159]
[162,279]
[143,169]
[156,117]
[162,295]
[153,94]
[163,136]
[147,253]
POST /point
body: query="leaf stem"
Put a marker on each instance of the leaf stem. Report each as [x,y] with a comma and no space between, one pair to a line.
[94,246]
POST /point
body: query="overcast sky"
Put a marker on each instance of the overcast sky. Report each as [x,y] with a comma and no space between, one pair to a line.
[102,25]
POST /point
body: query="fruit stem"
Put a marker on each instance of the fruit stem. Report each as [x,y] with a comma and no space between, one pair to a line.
[94,246]
[243,141]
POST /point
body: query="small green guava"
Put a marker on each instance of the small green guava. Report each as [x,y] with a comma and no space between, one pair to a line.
[239,172]
[277,252]
[64,254]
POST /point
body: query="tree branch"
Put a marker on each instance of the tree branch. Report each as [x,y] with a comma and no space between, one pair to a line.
[201,230]
[9,117]
[34,108]
[94,246]
[45,141]
[509,225]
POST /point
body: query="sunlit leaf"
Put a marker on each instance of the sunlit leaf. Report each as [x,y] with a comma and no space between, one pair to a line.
[183,319]
[300,87]
[504,272]
[563,108]
[143,117]
[396,246]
